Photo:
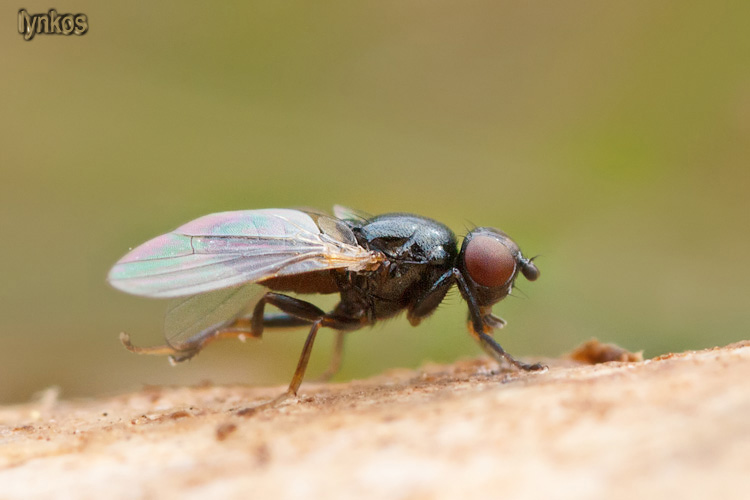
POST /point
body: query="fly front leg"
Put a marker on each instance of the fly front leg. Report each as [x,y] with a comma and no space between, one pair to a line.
[481,324]
[424,305]
[495,350]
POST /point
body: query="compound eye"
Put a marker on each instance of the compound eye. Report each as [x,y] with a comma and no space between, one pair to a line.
[489,262]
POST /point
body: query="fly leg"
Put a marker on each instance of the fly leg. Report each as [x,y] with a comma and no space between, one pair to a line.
[335,363]
[299,374]
[240,328]
[295,312]
[304,311]
[481,324]
[189,348]
[495,350]
[431,299]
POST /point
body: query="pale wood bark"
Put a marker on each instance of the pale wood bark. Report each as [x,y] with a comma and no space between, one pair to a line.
[673,427]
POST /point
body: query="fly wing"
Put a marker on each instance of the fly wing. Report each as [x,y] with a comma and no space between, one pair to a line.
[231,248]
[351,214]
[190,320]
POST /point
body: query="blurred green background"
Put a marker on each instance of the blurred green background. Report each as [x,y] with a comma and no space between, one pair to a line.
[612,139]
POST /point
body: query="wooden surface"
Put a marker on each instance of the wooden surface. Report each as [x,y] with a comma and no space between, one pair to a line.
[673,427]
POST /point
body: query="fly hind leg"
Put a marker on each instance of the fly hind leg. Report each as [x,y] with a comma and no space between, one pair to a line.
[335,363]
[297,313]
[302,311]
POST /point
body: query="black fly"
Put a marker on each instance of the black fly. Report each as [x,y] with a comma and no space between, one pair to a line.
[227,267]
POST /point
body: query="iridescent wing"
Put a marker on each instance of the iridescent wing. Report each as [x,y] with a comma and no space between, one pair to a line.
[231,248]
[190,320]
[351,214]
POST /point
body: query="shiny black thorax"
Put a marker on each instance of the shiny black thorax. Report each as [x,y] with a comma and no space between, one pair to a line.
[415,275]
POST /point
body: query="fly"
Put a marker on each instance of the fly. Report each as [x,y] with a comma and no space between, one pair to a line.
[223,269]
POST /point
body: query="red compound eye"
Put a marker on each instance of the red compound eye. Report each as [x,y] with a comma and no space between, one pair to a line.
[489,262]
